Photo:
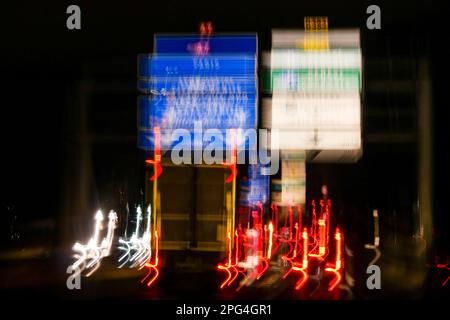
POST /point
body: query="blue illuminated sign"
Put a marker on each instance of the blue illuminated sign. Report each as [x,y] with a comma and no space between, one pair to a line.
[198,85]
[213,111]
[258,185]
[195,81]
[192,44]
[256,189]
[205,66]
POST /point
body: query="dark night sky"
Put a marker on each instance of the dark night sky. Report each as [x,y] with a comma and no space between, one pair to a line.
[40,59]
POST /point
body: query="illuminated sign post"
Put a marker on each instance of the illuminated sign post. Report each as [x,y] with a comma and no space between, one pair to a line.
[215,86]
[315,80]
[194,83]
[315,77]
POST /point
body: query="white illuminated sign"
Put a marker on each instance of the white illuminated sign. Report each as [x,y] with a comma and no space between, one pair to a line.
[299,59]
[315,80]
[316,111]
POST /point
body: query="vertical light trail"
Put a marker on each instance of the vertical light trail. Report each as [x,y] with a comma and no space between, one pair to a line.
[98,225]
[228,264]
[302,269]
[153,266]
[338,263]
[269,250]
[322,240]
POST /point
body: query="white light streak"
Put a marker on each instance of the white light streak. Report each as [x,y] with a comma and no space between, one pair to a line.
[89,255]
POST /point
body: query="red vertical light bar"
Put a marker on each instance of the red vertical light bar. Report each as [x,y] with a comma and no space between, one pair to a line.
[290,222]
[338,263]
[269,250]
[232,164]
[299,209]
[322,240]
[156,162]
[153,266]
[313,222]
[328,218]
[304,265]
[228,264]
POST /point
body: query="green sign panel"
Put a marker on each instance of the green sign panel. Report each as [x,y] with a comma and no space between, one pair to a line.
[311,80]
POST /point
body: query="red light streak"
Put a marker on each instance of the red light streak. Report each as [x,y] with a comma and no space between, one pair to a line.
[227,269]
[157,155]
[232,164]
[322,241]
[228,264]
[299,209]
[275,216]
[256,246]
[229,280]
[304,266]
[206,28]
[338,264]
[237,247]
[269,250]
[234,266]
[445,267]
[291,222]
[313,222]
[153,266]
[326,216]
[337,279]
[296,240]
[445,282]
[265,263]
[233,173]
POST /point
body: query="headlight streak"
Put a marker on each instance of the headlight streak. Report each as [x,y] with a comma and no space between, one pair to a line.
[138,248]
[89,256]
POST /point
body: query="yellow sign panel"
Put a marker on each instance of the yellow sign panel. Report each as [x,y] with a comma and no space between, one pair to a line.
[316,33]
